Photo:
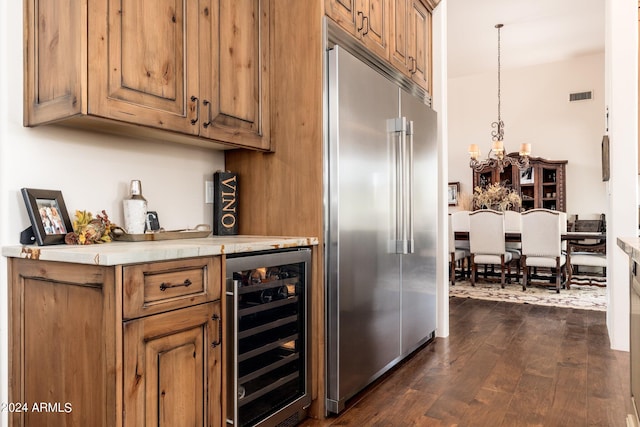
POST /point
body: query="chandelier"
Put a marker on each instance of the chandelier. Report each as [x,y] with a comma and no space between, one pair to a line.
[496,159]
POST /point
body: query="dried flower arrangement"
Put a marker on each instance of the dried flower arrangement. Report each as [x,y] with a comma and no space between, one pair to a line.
[465,201]
[88,230]
[496,196]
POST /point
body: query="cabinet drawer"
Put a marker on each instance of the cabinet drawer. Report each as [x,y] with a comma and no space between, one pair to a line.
[162,286]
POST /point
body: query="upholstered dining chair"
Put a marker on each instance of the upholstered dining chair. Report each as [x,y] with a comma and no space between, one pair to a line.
[541,243]
[460,222]
[456,255]
[487,242]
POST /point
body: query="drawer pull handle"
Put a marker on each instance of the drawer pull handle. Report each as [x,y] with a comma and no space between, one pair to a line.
[165,286]
[217,318]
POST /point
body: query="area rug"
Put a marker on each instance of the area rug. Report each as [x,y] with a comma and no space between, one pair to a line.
[579,296]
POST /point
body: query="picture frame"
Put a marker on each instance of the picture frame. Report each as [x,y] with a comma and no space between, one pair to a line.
[48,214]
[605,158]
[527,176]
[452,193]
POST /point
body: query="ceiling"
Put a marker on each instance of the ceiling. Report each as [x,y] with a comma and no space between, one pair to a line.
[534,32]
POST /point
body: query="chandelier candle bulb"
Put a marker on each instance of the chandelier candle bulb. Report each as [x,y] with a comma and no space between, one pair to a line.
[474,151]
[525,149]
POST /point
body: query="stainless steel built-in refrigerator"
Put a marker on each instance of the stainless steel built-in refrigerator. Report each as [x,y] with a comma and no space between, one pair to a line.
[381,228]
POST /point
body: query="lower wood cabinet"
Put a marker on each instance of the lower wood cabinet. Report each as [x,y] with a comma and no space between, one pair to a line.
[74,360]
[169,361]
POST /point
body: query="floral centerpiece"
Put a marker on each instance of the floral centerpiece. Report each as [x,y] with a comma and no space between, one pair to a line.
[497,197]
[88,230]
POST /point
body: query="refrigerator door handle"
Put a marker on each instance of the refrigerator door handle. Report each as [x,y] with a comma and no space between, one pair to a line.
[396,130]
[409,190]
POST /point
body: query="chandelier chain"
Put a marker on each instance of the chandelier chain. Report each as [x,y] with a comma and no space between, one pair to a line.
[498,133]
[497,159]
[499,116]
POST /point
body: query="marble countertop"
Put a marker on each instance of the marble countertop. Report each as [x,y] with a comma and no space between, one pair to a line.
[631,245]
[136,252]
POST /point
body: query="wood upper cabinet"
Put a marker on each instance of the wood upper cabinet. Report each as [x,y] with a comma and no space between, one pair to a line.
[110,349]
[143,63]
[410,40]
[367,20]
[53,44]
[419,45]
[234,78]
[195,68]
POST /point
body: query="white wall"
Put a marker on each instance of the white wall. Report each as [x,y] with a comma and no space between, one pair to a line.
[535,109]
[92,170]
[440,105]
[621,80]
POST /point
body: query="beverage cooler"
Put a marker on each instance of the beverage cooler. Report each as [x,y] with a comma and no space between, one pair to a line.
[268,352]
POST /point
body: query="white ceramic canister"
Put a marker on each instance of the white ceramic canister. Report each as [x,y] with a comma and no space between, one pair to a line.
[135,209]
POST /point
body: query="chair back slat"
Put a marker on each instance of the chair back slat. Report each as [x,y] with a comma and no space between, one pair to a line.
[588,225]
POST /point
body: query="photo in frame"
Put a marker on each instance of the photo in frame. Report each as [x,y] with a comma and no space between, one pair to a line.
[527,176]
[48,214]
[452,193]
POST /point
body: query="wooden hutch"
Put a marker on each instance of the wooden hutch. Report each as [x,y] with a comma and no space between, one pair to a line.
[543,185]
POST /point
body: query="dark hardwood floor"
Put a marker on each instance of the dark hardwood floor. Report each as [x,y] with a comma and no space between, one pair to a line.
[503,364]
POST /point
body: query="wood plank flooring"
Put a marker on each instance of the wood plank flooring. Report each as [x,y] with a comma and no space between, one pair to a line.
[504,364]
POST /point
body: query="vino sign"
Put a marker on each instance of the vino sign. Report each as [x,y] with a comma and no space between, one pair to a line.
[225,203]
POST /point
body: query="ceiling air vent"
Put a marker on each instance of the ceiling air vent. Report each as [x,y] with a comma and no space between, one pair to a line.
[580,96]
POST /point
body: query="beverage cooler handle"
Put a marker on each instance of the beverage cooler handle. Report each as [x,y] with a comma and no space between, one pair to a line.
[409,190]
[232,297]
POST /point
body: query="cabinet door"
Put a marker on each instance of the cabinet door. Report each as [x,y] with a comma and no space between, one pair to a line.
[143,57]
[235,74]
[344,13]
[61,343]
[172,368]
[367,20]
[375,28]
[420,44]
[399,35]
[53,34]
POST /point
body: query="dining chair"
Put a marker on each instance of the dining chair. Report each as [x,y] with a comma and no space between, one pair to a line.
[456,256]
[460,222]
[513,224]
[542,244]
[591,253]
[487,242]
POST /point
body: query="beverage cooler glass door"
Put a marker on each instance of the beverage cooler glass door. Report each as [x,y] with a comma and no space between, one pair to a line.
[268,360]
